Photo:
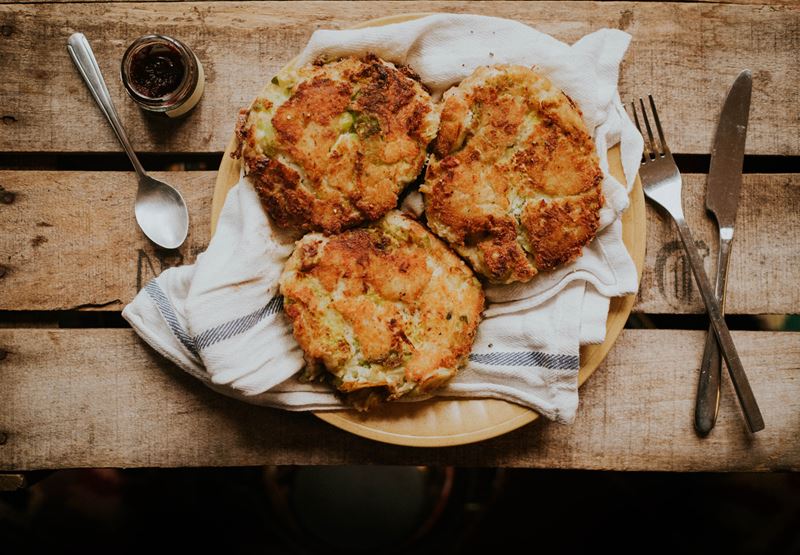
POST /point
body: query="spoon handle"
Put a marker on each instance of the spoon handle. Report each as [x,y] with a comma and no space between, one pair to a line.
[82,55]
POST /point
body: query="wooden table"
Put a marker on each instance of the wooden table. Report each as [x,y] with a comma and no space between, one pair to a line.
[79,390]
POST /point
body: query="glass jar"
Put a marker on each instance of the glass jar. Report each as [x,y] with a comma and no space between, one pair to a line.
[162,75]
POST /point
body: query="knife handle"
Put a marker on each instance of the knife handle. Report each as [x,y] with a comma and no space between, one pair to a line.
[752,414]
[708,385]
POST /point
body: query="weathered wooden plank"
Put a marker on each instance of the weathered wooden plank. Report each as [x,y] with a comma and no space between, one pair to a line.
[685,54]
[753,2]
[78,398]
[762,273]
[69,240]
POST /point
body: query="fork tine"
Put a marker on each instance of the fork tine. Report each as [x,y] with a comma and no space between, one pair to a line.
[664,147]
[646,151]
[652,141]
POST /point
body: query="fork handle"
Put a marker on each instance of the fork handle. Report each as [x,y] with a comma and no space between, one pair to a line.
[708,385]
[747,400]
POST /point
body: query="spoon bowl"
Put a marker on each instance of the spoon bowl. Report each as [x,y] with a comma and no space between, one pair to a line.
[161,213]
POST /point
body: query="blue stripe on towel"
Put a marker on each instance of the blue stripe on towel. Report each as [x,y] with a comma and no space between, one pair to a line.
[240,325]
[168,313]
[527,358]
[215,334]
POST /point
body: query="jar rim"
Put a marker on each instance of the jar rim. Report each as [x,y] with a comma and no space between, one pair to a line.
[181,92]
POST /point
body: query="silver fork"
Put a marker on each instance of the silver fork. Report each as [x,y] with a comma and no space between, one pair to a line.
[662,185]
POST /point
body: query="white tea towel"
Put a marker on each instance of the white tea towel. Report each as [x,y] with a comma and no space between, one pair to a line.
[221,318]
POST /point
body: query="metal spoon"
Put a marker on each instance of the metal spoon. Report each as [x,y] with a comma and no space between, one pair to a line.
[160,209]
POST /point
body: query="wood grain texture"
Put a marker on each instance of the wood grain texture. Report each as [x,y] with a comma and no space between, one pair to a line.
[68,240]
[685,54]
[752,2]
[764,261]
[94,398]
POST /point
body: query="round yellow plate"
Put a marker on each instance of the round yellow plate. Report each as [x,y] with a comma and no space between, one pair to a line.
[447,422]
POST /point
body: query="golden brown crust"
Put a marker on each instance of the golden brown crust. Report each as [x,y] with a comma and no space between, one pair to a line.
[514,183]
[557,230]
[388,308]
[332,144]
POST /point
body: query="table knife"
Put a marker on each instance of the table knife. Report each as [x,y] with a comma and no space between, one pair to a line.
[722,200]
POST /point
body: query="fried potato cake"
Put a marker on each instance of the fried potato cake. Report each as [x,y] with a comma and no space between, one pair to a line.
[331,145]
[514,184]
[389,310]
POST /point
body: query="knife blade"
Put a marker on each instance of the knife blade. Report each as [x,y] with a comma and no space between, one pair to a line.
[725,173]
[722,200]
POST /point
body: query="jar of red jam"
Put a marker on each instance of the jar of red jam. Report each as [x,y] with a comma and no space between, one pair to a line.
[162,75]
